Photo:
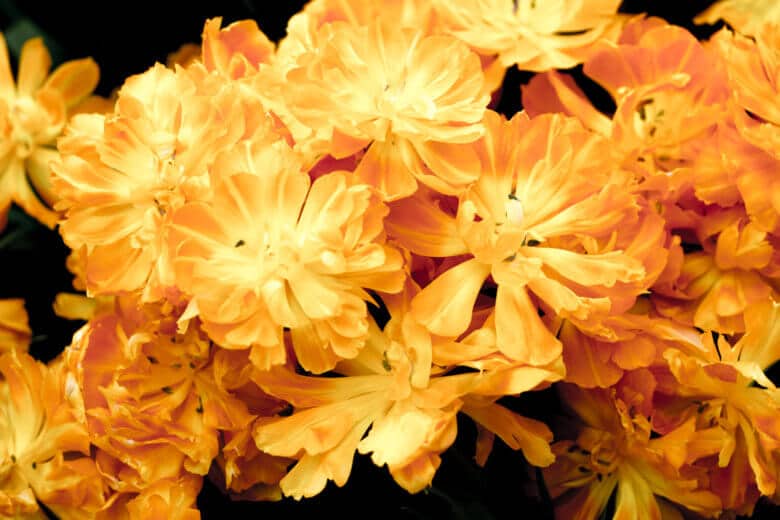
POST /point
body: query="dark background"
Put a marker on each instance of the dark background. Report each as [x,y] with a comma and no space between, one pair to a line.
[127,38]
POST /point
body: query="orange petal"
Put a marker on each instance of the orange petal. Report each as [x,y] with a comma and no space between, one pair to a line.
[520,332]
[444,307]
[74,80]
[7,85]
[384,168]
[518,432]
[420,225]
[34,65]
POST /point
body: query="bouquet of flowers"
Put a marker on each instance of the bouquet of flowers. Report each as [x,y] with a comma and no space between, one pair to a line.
[353,245]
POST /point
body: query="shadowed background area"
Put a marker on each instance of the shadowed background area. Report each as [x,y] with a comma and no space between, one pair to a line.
[128,38]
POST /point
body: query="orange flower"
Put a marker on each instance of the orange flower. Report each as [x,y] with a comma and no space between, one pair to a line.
[543,182]
[532,35]
[274,250]
[714,287]
[725,386]
[411,416]
[236,50]
[15,333]
[44,449]
[165,499]
[636,339]
[668,88]
[671,95]
[613,452]
[122,175]
[753,66]
[405,97]
[151,398]
[33,113]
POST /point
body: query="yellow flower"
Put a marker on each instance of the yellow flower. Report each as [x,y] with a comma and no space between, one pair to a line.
[545,184]
[15,333]
[122,175]
[403,98]
[534,35]
[274,250]
[33,113]
[44,448]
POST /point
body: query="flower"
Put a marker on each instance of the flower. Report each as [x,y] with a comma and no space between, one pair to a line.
[158,411]
[532,35]
[411,414]
[724,386]
[44,448]
[274,250]
[541,180]
[715,286]
[121,175]
[398,96]
[33,113]
[613,452]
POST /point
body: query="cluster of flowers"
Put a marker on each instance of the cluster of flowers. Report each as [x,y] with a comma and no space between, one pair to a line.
[235,218]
